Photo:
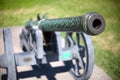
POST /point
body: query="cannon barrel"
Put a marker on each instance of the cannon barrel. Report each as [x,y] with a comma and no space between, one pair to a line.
[91,24]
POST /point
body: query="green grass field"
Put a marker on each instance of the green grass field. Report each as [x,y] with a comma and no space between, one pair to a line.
[107,44]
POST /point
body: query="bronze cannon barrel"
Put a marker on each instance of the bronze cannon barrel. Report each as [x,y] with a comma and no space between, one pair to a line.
[90,23]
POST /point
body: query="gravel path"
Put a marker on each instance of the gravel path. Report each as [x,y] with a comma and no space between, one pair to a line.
[98,74]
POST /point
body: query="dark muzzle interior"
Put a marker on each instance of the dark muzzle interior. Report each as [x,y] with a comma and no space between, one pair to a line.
[96,24]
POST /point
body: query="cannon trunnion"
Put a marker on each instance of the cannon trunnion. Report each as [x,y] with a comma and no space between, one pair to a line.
[42,42]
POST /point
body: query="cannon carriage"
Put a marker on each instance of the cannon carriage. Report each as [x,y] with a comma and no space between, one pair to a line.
[41,43]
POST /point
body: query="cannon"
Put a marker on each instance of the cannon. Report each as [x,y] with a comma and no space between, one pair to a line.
[41,42]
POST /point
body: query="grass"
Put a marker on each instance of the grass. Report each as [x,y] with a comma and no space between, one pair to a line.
[107,44]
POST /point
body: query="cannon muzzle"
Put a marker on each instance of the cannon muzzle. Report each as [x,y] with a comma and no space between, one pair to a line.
[91,24]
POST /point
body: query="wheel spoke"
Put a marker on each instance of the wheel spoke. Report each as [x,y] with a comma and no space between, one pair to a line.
[77,39]
[83,56]
[80,61]
[70,41]
[77,68]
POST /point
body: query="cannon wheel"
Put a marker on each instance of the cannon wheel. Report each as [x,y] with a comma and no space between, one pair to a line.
[81,69]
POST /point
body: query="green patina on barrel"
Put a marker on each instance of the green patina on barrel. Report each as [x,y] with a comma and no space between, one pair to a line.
[63,24]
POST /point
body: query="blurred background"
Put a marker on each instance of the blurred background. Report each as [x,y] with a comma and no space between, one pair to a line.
[107,44]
